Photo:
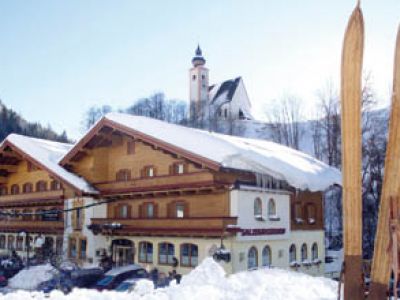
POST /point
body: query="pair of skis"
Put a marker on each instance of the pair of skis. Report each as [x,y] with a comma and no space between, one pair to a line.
[351,76]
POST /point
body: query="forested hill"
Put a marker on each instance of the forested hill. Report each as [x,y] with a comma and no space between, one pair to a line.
[12,122]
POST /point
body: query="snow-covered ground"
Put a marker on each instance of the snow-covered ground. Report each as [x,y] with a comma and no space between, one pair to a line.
[29,279]
[209,281]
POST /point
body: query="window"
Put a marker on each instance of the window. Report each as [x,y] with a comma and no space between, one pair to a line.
[292,253]
[226,113]
[27,187]
[52,214]
[266,256]
[203,76]
[55,185]
[79,219]
[298,213]
[41,186]
[20,243]
[130,147]
[123,175]
[252,258]
[311,213]
[189,255]
[145,252]
[72,248]
[82,249]
[15,189]
[193,77]
[149,210]
[271,208]
[314,251]
[178,168]
[257,208]
[10,242]
[166,253]
[124,211]
[179,210]
[304,253]
[2,241]
[3,191]
[148,171]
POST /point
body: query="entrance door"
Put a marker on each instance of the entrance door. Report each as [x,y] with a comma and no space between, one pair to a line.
[122,252]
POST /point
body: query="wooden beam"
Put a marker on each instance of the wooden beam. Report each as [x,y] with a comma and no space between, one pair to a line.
[351,73]
[9,168]
[380,273]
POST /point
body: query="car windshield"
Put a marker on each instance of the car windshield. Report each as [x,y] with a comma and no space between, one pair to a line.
[106,280]
[123,287]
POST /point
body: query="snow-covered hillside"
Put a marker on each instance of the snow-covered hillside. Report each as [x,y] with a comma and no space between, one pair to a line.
[209,281]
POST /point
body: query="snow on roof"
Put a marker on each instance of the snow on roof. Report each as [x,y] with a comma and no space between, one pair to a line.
[300,170]
[48,154]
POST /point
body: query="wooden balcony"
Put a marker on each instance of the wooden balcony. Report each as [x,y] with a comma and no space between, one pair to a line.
[200,226]
[168,182]
[37,197]
[33,226]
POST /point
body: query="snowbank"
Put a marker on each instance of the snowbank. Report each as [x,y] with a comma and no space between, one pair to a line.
[29,279]
[208,281]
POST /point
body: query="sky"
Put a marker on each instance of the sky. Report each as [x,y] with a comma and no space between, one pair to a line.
[60,57]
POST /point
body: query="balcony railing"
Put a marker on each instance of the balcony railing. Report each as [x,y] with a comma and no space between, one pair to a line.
[200,226]
[157,182]
[33,226]
[46,195]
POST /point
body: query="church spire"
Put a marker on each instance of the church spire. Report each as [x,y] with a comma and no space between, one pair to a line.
[198,59]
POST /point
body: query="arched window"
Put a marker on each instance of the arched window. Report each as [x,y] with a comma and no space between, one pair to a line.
[252,258]
[55,185]
[27,187]
[266,256]
[41,186]
[2,241]
[166,253]
[298,213]
[3,191]
[15,189]
[304,254]
[145,252]
[189,255]
[123,175]
[257,208]
[20,243]
[271,208]
[292,253]
[10,242]
[314,251]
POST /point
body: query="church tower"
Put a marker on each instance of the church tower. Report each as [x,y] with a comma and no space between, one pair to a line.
[198,87]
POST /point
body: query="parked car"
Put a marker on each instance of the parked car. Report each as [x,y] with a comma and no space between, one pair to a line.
[3,279]
[128,285]
[66,280]
[116,276]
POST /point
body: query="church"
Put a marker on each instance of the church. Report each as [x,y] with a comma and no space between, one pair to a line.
[224,101]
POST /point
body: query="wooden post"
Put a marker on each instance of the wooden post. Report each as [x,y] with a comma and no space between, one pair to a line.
[351,73]
[391,189]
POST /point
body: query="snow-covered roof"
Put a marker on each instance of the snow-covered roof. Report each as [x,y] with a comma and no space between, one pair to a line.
[300,170]
[48,154]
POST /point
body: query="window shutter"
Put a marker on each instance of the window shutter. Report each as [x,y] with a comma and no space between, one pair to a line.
[155,210]
[116,211]
[171,169]
[186,210]
[73,219]
[141,214]
[129,212]
[170,209]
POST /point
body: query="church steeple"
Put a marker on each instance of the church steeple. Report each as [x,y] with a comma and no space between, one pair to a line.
[198,83]
[198,59]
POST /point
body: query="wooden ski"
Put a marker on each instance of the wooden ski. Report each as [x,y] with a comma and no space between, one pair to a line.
[351,73]
[390,190]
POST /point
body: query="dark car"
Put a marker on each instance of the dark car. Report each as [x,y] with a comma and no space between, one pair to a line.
[65,281]
[3,279]
[116,276]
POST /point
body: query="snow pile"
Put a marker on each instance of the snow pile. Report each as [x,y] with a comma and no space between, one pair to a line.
[48,154]
[29,279]
[208,281]
[260,156]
